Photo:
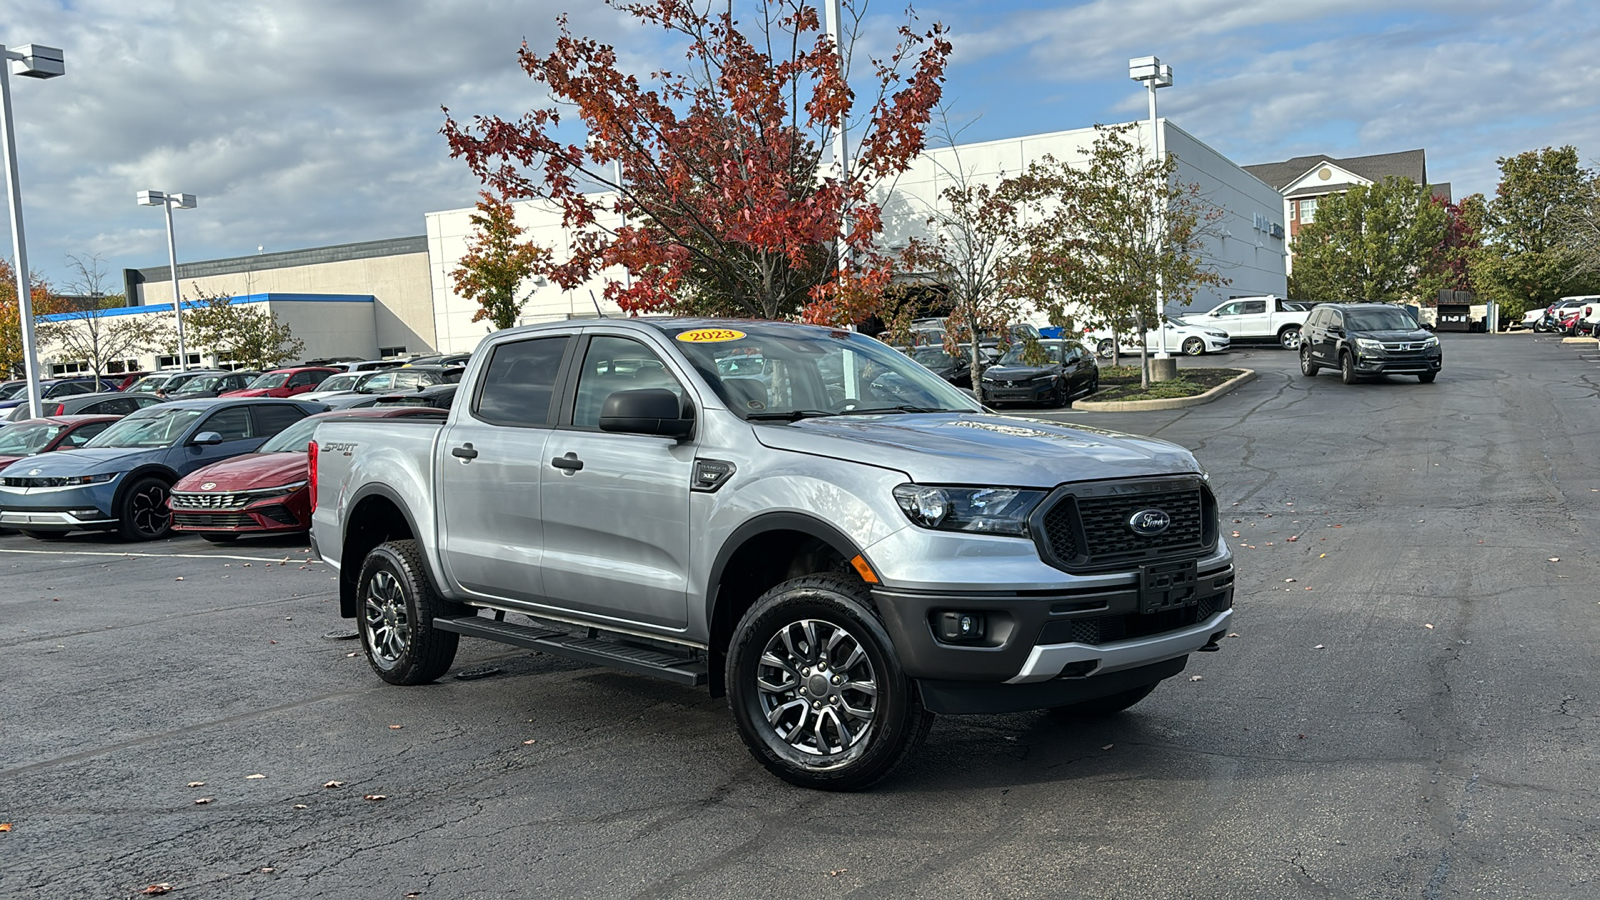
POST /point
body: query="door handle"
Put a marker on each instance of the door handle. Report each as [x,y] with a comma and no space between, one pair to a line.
[464,451]
[569,463]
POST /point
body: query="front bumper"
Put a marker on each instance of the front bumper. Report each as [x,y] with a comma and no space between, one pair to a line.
[1049,648]
[1369,362]
[85,508]
[1012,392]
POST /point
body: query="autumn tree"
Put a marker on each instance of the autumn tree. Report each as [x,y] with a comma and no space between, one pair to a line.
[1112,233]
[1449,264]
[45,302]
[98,329]
[1374,242]
[242,333]
[1526,260]
[497,263]
[728,204]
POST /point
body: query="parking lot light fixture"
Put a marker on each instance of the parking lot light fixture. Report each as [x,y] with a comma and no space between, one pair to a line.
[168,201]
[29,61]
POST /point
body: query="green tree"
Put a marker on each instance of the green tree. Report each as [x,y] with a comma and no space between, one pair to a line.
[238,332]
[1374,242]
[45,302]
[497,263]
[1112,234]
[96,332]
[1527,259]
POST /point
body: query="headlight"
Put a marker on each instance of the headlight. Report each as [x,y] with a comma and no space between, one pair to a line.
[1369,344]
[1218,334]
[1430,342]
[984,510]
[79,480]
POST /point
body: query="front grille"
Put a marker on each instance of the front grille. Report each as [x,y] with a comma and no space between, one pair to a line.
[213,520]
[1404,346]
[1087,527]
[23,481]
[195,500]
[1097,630]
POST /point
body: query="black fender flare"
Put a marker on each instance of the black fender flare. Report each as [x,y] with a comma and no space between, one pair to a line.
[349,570]
[768,522]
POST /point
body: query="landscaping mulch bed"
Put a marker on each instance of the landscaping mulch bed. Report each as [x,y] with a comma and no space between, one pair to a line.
[1122,383]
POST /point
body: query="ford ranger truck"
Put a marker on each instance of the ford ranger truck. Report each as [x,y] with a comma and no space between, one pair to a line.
[797,517]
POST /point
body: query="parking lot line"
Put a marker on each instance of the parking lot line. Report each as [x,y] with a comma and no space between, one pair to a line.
[270,559]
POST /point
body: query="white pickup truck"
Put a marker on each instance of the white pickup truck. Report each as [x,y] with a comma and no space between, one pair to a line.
[1266,318]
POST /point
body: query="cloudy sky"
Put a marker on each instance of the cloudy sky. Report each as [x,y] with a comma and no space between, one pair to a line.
[301,123]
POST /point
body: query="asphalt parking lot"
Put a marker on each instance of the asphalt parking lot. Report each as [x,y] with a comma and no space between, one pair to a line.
[1406,710]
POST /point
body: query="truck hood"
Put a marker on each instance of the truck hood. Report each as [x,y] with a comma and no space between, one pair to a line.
[87,461]
[248,472]
[969,448]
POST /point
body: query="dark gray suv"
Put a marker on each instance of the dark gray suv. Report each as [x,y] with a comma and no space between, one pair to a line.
[1368,339]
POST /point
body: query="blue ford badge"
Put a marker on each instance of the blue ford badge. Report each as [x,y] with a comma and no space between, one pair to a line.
[1149,522]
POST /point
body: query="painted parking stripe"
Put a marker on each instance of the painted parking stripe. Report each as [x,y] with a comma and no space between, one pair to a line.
[268,559]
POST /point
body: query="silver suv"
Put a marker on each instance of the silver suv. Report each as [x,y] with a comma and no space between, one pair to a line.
[798,517]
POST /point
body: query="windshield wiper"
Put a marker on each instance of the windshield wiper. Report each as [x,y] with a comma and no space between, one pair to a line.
[876,410]
[788,415]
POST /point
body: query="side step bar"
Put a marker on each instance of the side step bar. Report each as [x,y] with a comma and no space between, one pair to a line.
[639,660]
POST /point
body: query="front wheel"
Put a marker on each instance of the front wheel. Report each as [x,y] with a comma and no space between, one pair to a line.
[1104,349]
[398,606]
[1347,368]
[1194,346]
[1289,338]
[143,514]
[816,690]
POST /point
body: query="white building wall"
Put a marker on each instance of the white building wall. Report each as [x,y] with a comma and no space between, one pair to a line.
[1251,258]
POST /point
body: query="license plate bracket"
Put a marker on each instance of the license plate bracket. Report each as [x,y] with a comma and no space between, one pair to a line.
[1168,586]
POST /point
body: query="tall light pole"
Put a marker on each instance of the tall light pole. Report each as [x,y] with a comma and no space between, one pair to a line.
[31,61]
[833,22]
[1149,70]
[181,201]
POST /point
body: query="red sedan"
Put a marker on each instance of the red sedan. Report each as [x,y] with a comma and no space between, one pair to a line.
[262,492]
[285,382]
[32,436]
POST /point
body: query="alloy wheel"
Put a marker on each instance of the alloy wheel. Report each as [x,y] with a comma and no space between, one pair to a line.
[148,510]
[817,687]
[388,625]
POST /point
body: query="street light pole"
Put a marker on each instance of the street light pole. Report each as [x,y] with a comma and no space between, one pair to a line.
[168,201]
[1149,70]
[34,61]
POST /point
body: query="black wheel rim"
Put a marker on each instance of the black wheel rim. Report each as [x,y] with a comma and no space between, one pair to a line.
[388,624]
[817,688]
[147,510]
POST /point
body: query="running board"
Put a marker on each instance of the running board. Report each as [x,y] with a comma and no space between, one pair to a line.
[639,660]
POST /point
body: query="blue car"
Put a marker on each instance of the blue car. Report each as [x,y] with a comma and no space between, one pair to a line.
[121,478]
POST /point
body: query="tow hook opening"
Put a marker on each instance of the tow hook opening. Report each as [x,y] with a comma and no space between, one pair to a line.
[1211,644]
[1079,669]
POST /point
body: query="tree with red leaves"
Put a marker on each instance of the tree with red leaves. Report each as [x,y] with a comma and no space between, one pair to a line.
[729,208]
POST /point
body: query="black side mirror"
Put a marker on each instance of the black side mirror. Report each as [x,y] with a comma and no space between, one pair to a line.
[654,411]
[207,438]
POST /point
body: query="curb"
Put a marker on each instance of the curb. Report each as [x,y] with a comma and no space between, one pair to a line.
[1244,375]
[1580,340]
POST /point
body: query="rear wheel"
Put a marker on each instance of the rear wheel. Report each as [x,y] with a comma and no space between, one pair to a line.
[1289,338]
[398,606]
[817,693]
[142,514]
[1347,368]
[1101,707]
[1307,367]
[1194,346]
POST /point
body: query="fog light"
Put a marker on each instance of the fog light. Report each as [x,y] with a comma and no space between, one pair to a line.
[86,514]
[961,626]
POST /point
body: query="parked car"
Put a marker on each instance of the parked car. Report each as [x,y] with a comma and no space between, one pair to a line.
[390,380]
[847,544]
[1066,371]
[289,382]
[53,388]
[340,383]
[1556,313]
[446,359]
[954,368]
[31,437]
[1266,318]
[120,479]
[128,378]
[166,382]
[437,396]
[211,384]
[1368,339]
[113,403]
[1175,337]
[261,492]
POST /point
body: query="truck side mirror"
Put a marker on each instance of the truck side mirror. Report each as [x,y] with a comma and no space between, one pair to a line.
[656,411]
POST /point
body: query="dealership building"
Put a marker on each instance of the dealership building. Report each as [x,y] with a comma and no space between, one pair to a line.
[395,297]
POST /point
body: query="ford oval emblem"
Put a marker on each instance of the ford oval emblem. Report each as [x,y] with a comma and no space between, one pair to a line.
[208,486]
[1149,522]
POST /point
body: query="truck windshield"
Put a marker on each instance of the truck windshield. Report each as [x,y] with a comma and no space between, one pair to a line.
[269,380]
[766,370]
[154,426]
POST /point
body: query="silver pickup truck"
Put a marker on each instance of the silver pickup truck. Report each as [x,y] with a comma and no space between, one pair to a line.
[800,517]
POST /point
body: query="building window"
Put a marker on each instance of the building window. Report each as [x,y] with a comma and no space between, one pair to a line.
[122,366]
[1308,211]
[71,368]
[391,352]
[171,359]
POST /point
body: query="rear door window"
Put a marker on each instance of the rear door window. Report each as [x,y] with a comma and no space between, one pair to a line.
[519,383]
[272,418]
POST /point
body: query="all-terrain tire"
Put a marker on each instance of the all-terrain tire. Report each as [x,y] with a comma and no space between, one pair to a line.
[816,690]
[396,608]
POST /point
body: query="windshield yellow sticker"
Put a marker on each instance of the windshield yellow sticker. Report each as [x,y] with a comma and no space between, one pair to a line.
[710,335]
